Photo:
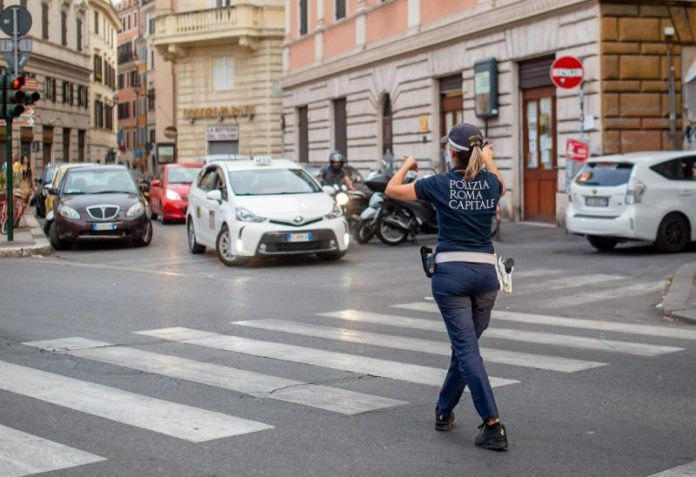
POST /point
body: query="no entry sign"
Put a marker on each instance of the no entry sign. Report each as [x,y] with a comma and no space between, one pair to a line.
[577,150]
[567,72]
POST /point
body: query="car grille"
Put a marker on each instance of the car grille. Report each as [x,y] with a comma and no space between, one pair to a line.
[103,212]
[294,224]
[276,243]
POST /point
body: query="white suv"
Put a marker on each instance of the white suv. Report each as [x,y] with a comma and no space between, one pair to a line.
[638,196]
[263,207]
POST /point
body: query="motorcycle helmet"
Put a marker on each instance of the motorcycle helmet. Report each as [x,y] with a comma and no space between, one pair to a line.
[336,156]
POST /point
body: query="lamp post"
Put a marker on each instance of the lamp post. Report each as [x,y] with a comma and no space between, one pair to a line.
[669,34]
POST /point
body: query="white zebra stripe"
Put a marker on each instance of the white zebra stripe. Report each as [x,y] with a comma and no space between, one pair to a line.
[316,357]
[261,385]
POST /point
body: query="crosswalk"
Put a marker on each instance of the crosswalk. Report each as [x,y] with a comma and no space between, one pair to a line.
[341,341]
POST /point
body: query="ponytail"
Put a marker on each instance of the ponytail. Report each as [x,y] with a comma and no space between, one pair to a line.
[470,163]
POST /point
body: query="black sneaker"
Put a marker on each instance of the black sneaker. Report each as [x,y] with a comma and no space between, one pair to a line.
[443,422]
[493,438]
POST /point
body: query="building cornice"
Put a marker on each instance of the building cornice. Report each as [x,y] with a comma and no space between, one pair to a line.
[466,24]
[105,6]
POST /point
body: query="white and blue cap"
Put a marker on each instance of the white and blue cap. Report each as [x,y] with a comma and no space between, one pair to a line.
[463,137]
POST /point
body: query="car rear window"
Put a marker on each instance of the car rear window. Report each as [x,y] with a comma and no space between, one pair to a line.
[607,174]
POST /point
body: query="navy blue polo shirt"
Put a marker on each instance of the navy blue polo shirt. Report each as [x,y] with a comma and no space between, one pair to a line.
[465,209]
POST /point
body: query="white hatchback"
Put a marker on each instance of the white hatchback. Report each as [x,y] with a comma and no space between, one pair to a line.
[247,208]
[638,196]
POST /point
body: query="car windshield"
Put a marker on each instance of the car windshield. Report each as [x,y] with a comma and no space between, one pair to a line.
[607,174]
[182,175]
[79,182]
[272,182]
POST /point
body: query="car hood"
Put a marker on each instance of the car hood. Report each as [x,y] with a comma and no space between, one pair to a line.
[82,201]
[181,189]
[287,207]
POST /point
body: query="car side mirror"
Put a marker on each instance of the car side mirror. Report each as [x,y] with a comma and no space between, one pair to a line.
[51,190]
[155,183]
[214,195]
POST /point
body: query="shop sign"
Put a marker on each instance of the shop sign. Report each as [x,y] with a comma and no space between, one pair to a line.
[223,133]
[219,112]
[567,72]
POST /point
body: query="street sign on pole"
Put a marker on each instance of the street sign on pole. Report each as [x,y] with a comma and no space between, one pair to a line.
[567,72]
[24,44]
[15,20]
[577,150]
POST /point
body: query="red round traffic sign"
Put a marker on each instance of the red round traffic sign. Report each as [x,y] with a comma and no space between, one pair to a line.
[567,72]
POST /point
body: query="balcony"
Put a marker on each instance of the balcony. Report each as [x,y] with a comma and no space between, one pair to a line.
[242,24]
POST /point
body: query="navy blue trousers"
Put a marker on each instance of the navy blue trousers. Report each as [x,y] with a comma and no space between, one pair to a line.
[465,294]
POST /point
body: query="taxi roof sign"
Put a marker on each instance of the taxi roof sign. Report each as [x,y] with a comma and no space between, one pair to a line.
[263,161]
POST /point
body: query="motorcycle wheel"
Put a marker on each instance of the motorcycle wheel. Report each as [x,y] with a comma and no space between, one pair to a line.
[391,235]
[364,232]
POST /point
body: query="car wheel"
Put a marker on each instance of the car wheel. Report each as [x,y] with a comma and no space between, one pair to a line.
[56,242]
[145,240]
[673,234]
[603,244]
[194,247]
[225,251]
[332,256]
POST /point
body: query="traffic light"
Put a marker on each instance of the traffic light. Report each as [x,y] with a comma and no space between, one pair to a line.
[13,98]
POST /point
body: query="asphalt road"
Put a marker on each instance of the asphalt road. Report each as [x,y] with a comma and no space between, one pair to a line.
[180,366]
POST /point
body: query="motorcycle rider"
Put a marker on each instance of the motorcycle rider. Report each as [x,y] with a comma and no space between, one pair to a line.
[465,282]
[334,173]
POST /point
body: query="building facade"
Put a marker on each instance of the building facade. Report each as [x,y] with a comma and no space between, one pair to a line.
[56,129]
[370,77]
[103,29]
[226,60]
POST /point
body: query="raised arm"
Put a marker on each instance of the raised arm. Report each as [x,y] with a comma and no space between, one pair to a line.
[396,189]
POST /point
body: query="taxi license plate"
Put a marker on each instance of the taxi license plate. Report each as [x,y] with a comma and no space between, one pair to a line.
[306,237]
[597,201]
[104,226]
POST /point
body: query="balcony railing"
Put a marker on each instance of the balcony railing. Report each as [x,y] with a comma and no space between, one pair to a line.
[245,23]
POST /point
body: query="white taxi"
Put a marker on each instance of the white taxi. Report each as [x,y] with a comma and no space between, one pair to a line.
[260,208]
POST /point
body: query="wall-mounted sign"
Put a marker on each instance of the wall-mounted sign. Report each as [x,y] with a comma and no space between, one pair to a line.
[166,152]
[486,88]
[223,133]
[567,72]
[170,132]
[219,112]
[577,150]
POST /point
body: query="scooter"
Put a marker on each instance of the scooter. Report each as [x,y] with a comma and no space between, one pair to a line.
[403,219]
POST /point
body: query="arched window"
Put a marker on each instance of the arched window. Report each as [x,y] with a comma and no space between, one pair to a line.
[387,134]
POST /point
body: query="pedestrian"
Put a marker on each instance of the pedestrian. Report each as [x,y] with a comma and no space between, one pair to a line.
[16,164]
[26,179]
[465,283]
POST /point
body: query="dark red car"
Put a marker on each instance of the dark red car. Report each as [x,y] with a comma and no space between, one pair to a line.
[99,202]
[169,195]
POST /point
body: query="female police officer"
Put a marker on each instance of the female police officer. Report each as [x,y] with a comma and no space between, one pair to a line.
[465,283]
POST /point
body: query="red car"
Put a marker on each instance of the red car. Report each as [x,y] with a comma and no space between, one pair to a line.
[169,196]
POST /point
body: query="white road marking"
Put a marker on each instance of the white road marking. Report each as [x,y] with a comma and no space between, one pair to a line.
[261,385]
[528,360]
[668,331]
[316,357]
[602,295]
[686,470]
[565,282]
[536,272]
[176,420]
[567,341]
[25,454]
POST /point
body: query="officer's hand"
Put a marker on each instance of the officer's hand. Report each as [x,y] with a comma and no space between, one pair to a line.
[487,153]
[410,163]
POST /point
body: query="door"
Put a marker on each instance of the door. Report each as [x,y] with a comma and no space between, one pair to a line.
[540,167]
[451,113]
[687,191]
[201,212]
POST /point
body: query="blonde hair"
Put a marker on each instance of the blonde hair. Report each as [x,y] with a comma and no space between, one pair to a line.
[470,163]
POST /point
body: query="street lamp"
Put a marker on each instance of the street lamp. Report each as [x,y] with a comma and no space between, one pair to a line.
[669,34]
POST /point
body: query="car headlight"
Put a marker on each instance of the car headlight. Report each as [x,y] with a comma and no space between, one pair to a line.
[172,195]
[136,210]
[68,212]
[245,215]
[335,213]
[342,199]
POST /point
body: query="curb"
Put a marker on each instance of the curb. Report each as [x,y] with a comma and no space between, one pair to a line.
[41,244]
[680,301]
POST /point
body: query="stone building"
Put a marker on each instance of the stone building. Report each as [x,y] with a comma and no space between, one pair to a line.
[226,62]
[369,77]
[103,27]
[57,128]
